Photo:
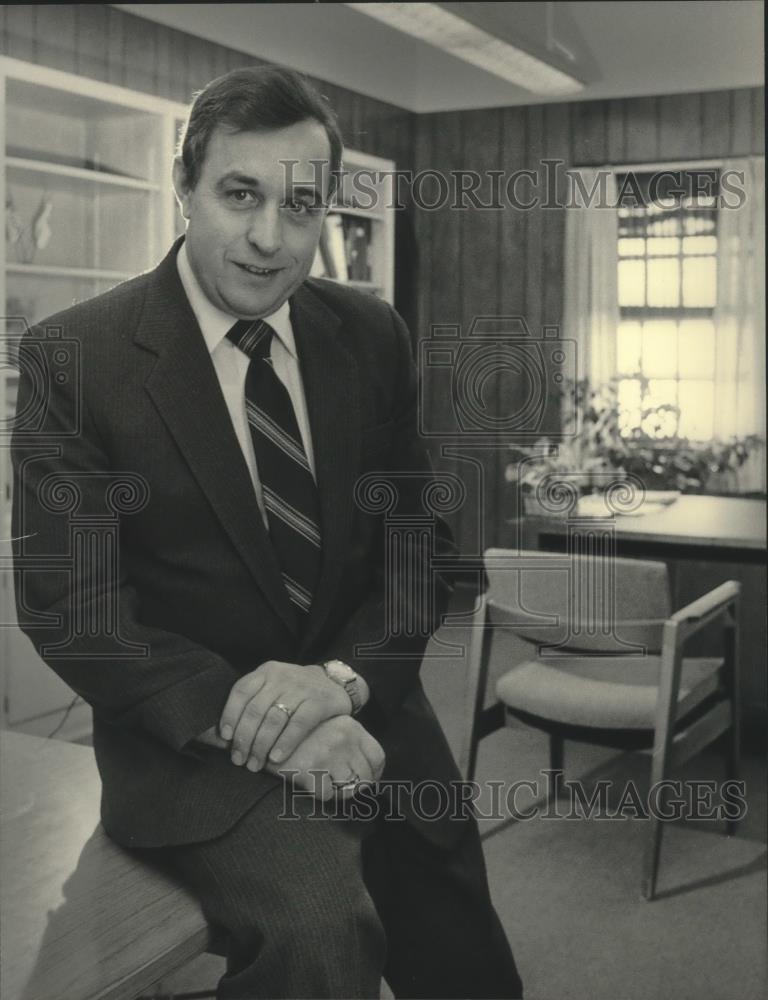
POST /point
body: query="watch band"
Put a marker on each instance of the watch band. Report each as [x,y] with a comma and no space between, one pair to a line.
[341,673]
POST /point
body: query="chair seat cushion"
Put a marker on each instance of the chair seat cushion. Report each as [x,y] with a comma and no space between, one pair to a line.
[614,692]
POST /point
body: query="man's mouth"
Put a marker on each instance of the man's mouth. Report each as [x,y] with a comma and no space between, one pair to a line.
[263,272]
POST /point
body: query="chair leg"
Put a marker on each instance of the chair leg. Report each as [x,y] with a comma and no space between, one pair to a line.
[652,852]
[666,712]
[733,736]
[732,768]
[556,759]
[651,857]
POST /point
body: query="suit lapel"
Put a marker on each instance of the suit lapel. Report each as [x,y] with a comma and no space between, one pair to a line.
[185,390]
[331,386]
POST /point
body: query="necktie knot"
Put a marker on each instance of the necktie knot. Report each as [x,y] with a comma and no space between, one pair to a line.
[252,336]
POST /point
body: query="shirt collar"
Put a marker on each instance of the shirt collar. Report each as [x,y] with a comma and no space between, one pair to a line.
[214,322]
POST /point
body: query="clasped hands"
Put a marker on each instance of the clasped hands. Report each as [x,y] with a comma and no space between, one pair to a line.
[284,717]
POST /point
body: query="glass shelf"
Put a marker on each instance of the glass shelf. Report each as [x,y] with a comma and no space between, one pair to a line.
[53,271]
[33,299]
[90,174]
[75,131]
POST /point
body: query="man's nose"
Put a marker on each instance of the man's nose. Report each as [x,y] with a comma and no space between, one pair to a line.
[265,229]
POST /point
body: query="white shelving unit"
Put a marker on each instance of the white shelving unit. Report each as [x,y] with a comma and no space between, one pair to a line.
[86,184]
[91,163]
[368,206]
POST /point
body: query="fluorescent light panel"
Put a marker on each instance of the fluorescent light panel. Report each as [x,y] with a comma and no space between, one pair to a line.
[433,24]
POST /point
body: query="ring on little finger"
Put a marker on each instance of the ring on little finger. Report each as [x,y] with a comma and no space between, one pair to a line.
[349,783]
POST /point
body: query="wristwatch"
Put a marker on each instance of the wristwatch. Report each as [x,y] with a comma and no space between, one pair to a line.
[342,673]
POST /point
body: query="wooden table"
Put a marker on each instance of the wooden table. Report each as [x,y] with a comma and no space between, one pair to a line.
[717,524]
[80,918]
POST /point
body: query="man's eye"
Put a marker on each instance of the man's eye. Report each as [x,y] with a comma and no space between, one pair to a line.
[241,195]
[301,206]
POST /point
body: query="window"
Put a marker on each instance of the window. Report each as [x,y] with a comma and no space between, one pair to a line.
[667,286]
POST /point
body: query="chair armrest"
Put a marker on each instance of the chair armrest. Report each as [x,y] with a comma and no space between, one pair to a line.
[698,613]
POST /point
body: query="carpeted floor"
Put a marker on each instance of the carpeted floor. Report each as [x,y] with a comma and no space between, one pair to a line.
[568,890]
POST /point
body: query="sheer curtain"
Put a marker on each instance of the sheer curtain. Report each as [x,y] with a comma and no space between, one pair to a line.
[591,311]
[740,318]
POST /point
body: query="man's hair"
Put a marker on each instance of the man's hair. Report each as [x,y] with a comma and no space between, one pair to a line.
[252,99]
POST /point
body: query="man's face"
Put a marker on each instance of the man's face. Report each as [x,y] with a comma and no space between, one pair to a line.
[252,228]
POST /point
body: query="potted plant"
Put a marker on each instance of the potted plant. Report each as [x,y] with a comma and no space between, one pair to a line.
[601,442]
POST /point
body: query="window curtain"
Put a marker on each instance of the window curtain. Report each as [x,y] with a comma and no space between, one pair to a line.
[740,318]
[591,311]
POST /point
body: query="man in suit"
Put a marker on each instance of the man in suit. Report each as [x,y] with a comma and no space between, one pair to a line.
[222,647]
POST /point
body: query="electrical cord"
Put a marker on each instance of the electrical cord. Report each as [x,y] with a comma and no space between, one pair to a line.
[67,711]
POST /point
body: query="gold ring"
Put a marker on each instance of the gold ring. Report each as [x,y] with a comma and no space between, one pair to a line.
[351,782]
[283,708]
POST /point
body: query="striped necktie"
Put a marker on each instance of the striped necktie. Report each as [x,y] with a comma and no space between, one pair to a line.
[288,487]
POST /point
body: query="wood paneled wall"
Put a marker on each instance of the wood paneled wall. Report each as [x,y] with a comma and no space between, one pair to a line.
[452,265]
[509,262]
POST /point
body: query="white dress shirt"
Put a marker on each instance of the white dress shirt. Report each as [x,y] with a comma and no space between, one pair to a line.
[231,366]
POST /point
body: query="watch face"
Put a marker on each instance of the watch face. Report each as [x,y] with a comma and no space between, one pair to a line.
[340,671]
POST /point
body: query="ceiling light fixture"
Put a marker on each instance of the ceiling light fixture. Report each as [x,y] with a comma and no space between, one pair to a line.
[437,26]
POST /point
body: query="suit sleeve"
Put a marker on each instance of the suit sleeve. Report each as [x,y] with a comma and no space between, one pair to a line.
[164,683]
[398,596]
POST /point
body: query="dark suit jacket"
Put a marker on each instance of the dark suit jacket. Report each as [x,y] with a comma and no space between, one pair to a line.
[194,582]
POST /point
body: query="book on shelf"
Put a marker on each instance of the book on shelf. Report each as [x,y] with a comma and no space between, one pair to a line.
[356,239]
[343,250]
[332,247]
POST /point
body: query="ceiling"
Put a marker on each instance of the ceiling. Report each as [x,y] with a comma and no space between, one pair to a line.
[627,48]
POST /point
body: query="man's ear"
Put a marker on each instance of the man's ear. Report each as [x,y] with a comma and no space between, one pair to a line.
[183,193]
